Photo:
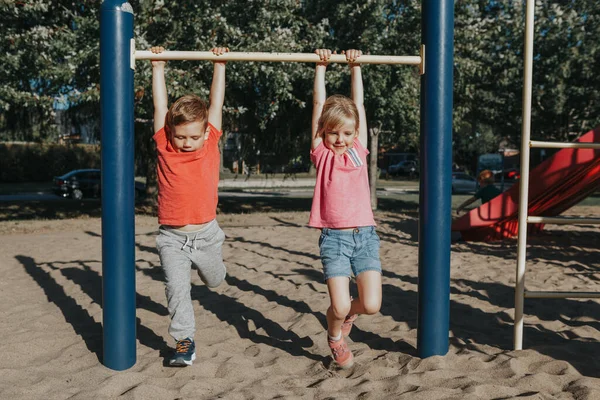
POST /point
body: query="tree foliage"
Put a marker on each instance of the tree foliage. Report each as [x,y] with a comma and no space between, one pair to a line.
[489,47]
[51,57]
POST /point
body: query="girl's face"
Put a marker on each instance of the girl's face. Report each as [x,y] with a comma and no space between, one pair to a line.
[189,137]
[340,138]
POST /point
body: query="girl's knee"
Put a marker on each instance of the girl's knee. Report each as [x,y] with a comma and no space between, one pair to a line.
[371,306]
[340,311]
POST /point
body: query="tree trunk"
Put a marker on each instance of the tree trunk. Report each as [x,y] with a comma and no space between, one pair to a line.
[221,149]
[145,154]
[373,147]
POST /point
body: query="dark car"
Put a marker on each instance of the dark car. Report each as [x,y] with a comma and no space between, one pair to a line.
[82,183]
[463,183]
[409,168]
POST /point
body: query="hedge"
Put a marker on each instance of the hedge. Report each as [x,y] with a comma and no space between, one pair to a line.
[34,162]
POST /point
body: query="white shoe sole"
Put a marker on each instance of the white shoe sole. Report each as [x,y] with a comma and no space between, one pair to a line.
[180,362]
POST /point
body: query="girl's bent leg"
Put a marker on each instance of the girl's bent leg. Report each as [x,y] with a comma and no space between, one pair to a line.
[369,293]
[339,294]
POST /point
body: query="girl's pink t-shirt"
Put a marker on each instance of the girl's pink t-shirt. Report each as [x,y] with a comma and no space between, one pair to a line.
[342,198]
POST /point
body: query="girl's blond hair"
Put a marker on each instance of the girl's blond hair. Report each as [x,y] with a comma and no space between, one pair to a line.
[336,111]
[186,109]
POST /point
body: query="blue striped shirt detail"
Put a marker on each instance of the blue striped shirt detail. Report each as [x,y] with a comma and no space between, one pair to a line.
[354,158]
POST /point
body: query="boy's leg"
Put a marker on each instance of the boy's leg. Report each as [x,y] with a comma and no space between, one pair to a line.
[177,268]
[208,257]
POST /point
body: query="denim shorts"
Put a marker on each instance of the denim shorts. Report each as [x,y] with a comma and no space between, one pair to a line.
[346,252]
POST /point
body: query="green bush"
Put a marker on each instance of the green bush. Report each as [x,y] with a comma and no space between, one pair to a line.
[34,162]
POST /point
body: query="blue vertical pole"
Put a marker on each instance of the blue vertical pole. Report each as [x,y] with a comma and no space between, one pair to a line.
[436,173]
[118,236]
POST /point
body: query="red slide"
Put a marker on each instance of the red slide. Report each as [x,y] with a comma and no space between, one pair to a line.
[555,185]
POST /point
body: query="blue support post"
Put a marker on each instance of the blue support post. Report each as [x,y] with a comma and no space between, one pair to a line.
[118,213]
[436,174]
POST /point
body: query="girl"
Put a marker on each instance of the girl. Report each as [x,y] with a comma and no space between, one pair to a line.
[341,205]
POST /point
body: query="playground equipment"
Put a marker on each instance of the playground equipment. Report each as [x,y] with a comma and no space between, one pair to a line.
[586,142]
[117,62]
[271,57]
[555,185]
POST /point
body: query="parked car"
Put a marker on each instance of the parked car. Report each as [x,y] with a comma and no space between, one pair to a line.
[463,183]
[81,183]
[408,168]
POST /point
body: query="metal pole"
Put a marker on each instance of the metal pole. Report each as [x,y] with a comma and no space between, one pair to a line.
[502,174]
[562,145]
[436,174]
[118,241]
[272,57]
[524,182]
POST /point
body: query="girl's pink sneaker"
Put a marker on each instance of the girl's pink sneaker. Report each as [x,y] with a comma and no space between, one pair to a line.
[341,353]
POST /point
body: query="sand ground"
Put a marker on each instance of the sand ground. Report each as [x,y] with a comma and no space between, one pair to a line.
[261,334]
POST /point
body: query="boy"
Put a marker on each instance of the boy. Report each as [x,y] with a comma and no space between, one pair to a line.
[487,190]
[186,136]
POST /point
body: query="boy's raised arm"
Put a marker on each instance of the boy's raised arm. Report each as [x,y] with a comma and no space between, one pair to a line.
[159,91]
[358,94]
[217,90]
[466,203]
[319,95]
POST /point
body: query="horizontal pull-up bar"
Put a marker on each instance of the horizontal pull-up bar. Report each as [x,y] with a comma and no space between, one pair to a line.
[284,57]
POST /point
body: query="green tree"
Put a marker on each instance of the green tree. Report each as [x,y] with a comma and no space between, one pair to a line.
[489,72]
[52,52]
[378,27]
[48,56]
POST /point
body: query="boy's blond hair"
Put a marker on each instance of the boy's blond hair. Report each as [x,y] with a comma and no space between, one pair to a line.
[336,110]
[486,176]
[186,109]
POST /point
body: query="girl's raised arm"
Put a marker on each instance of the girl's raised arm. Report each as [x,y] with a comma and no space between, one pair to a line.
[357,93]
[319,95]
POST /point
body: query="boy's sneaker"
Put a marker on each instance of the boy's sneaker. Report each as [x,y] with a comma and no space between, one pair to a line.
[347,325]
[341,353]
[185,353]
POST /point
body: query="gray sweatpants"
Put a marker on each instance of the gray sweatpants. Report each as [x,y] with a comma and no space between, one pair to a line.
[178,251]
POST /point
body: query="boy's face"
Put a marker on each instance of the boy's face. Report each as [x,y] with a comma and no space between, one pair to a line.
[189,137]
[340,138]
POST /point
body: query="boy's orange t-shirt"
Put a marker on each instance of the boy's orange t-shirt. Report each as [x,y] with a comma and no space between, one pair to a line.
[188,181]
